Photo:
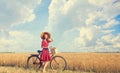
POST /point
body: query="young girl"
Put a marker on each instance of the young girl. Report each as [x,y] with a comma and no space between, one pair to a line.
[45,56]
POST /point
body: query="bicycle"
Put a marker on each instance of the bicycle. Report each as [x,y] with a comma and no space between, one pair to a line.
[56,62]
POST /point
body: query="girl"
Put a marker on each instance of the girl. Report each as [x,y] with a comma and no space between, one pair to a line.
[45,56]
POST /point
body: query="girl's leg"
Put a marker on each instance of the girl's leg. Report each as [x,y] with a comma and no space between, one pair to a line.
[45,65]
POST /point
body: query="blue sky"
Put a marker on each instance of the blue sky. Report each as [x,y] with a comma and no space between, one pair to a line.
[41,20]
[75,25]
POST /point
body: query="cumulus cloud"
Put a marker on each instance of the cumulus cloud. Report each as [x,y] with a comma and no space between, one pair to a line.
[69,12]
[87,20]
[86,35]
[100,3]
[16,12]
[17,41]
[109,42]
[111,23]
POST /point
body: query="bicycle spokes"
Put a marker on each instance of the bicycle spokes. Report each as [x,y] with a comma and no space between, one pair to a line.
[58,63]
[33,62]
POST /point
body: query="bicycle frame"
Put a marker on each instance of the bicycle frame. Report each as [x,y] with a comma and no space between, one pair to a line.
[52,54]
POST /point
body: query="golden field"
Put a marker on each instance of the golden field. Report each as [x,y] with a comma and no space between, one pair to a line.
[23,70]
[77,62]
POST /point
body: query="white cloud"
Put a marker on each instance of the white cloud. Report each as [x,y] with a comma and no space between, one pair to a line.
[17,41]
[100,2]
[110,42]
[107,38]
[111,23]
[13,13]
[105,11]
[16,12]
[81,23]
[69,12]
[86,35]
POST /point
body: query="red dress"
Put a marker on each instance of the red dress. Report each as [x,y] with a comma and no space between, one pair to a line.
[45,56]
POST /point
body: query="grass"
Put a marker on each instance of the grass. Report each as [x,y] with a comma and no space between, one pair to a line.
[23,70]
[77,62]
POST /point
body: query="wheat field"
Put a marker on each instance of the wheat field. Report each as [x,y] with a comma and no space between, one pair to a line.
[76,62]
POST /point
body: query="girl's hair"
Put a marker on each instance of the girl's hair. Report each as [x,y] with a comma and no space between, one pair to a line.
[43,35]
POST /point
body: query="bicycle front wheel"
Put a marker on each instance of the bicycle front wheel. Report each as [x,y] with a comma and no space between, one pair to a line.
[58,63]
[33,62]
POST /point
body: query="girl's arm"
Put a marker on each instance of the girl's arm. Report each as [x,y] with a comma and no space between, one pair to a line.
[50,40]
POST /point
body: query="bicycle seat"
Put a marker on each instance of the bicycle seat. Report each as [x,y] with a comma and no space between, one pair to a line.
[39,51]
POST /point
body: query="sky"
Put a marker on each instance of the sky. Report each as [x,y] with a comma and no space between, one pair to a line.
[75,25]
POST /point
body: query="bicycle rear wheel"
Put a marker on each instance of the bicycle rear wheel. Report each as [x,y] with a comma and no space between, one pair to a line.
[58,63]
[33,62]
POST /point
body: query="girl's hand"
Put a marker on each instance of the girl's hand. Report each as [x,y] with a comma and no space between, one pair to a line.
[50,39]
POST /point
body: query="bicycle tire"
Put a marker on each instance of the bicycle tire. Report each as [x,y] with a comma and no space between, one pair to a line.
[32,64]
[57,58]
